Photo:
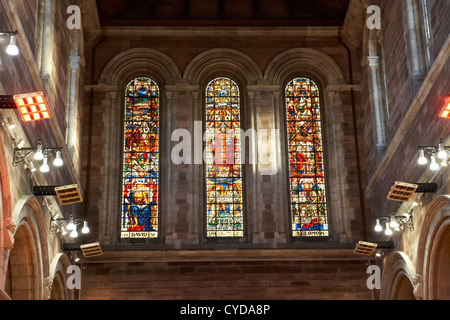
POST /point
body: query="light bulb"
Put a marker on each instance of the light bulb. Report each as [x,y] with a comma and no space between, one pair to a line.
[85,229]
[12,49]
[74,234]
[442,154]
[434,166]
[45,168]
[378,227]
[422,159]
[394,224]
[39,155]
[58,162]
[388,230]
[71,226]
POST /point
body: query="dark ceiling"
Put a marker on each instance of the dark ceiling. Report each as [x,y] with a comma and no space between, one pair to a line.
[222,12]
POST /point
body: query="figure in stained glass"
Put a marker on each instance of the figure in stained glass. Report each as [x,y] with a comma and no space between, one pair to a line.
[306,162]
[141,160]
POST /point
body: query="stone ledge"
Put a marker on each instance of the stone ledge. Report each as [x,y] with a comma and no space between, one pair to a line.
[227,255]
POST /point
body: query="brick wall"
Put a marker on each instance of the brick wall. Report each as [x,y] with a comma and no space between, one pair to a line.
[229,280]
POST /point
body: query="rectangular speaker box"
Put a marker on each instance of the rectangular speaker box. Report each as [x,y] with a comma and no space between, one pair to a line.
[402,191]
[91,250]
[69,194]
[365,248]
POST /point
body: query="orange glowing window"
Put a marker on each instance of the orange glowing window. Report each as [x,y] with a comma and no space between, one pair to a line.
[32,106]
[446,112]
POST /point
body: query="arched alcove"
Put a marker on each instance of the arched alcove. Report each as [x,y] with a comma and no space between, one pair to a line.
[23,281]
[58,276]
[30,252]
[326,73]
[433,250]
[398,278]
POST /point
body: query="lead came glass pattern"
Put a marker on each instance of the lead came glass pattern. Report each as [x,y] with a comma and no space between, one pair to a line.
[140,160]
[306,162]
[223,160]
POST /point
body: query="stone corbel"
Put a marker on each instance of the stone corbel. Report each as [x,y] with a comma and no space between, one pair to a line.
[418,287]
[9,234]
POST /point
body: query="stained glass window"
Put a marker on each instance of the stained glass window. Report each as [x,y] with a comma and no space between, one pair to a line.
[306,162]
[223,160]
[140,160]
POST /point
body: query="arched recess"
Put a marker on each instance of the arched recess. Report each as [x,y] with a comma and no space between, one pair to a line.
[6,222]
[244,72]
[28,261]
[433,254]
[326,73]
[137,62]
[58,278]
[116,75]
[225,62]
[398,278]
[311,62]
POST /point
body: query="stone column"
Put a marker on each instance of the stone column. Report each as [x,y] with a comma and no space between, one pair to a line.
[373,64]
[72,111]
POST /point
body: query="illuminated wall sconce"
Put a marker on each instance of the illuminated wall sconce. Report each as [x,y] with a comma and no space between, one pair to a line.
[40,154]
[32,106]
[446,112]
[438,156]
[12,48]
[394,223]
[69,225]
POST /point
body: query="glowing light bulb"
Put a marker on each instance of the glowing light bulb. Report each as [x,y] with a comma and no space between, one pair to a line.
[378,227]
[394,224]
[85,229]
[434,166]
[58,162]
[388,230]
[45,168]
[422,159]
[39,155]
[12,49]
[74,234]
[442,154]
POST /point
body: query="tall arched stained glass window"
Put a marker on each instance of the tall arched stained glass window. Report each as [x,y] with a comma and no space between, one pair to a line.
[223,160]
[140,160]
[306,162]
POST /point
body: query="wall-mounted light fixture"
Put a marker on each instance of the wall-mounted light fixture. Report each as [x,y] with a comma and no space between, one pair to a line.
[40,154]
[32,106]
[393,223]
[446,112]
[12,48]
[438,156]
[71,225]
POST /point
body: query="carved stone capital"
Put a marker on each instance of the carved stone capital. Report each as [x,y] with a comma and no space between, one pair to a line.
[418,286]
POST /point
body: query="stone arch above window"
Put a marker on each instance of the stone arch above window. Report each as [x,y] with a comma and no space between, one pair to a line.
[311,62]
[128,63]
[225,61]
